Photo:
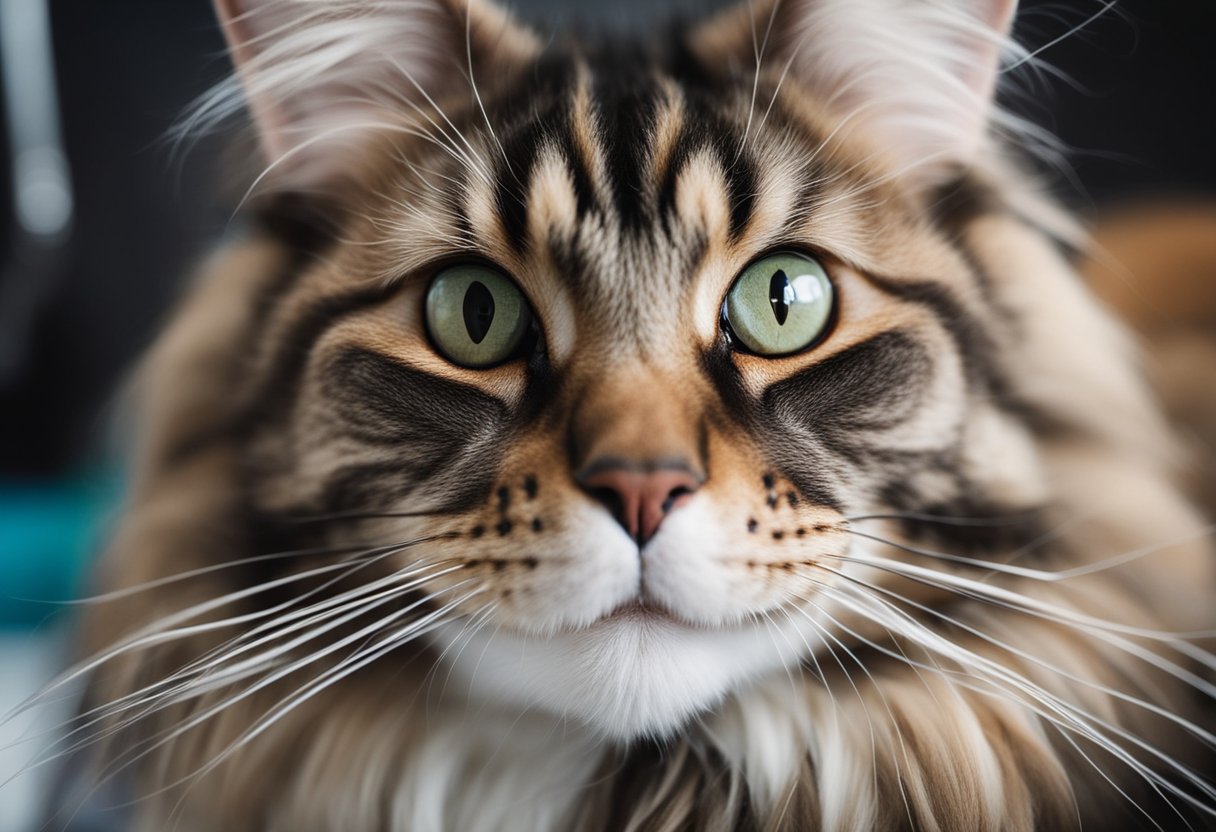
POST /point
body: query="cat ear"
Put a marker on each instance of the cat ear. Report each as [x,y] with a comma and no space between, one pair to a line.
[320,76]
[915,76]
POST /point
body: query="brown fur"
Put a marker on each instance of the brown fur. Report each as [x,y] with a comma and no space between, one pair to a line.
[1013,392]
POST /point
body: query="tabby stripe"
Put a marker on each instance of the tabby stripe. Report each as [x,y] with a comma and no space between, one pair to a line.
[958,203]
[974,347]
[427,423]
[742,182]
[870,386]
[585,195]
[739,172]
[633,101]
[281,385]
[512,181]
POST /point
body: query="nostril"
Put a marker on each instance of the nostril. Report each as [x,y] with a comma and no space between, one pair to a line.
[674,495]
[611,499]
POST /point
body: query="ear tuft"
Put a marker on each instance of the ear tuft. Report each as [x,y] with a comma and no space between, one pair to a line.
[320,77]
[914,77]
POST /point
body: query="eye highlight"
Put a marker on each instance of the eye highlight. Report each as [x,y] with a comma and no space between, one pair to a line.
[779,305]
[476,316]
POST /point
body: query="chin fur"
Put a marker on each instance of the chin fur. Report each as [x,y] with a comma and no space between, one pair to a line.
[629,677]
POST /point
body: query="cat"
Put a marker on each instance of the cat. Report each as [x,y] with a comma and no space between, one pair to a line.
[701,432]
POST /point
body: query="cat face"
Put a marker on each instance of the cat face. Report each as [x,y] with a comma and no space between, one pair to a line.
[533,366]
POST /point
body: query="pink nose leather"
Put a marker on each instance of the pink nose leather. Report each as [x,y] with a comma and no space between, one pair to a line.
[639,499]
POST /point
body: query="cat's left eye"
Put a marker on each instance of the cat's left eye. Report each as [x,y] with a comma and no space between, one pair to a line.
[476,316]
[780,304]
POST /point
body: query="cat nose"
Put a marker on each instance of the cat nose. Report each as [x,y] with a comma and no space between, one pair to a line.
[639,496]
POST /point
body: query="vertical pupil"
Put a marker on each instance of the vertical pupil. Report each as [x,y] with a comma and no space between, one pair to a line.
[478,311]
[778,289]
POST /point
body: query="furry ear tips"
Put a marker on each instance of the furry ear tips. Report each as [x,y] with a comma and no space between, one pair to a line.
[914,78]
[298,61]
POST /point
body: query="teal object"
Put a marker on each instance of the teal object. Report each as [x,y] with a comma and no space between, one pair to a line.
[49,533]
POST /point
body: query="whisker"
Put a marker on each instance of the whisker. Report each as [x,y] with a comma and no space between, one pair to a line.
[330,677]
[157,583]
[150,744]
[198,677]
[1040,574]
[367,515]
[869,588]
[949,519]
[1042,702]
[827,634]
[472,627]
[156,632]
[980,590]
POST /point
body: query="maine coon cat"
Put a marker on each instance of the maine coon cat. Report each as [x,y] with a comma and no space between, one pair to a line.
[707,432]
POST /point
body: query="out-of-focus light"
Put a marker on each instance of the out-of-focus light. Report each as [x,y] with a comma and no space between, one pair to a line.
[41,179]
[43,193]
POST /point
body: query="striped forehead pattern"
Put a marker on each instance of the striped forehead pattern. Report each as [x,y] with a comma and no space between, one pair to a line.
[624,171]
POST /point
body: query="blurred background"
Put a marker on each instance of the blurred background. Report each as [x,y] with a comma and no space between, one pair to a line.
[100,224]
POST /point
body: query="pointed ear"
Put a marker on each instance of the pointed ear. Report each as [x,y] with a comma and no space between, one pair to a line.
[916,77]
[320,76]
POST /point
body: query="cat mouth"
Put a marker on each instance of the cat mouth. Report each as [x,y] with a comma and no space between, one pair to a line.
[646,611]
[638,609]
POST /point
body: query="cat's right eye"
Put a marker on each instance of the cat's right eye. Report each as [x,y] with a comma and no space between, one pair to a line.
[780,304]
[476,316]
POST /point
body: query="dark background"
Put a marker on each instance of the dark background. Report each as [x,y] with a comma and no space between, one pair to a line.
[1136,113]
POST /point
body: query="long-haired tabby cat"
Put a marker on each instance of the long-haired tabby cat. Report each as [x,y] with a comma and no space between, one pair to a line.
[708,432]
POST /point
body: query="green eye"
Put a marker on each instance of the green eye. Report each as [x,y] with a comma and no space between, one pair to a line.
[476,316]
[781,304]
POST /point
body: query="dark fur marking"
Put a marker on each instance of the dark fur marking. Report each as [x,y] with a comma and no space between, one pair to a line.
[705,130]
[430,425]
[958,203]
[975,348]
[529,113]
[626,100]
[511,189]
[719,366]
[384,402]
[871,385]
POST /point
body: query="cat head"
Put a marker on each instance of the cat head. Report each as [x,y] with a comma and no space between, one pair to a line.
[618,350]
